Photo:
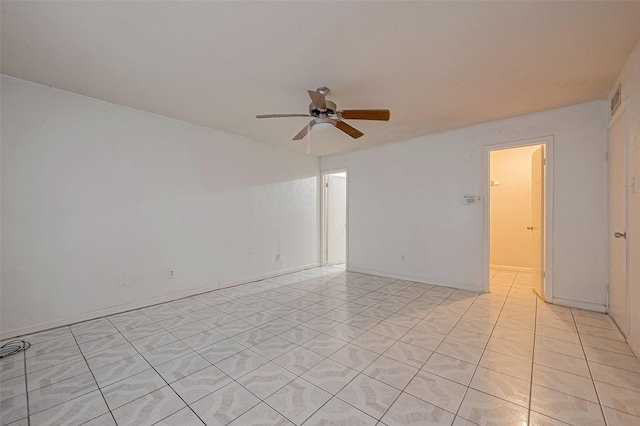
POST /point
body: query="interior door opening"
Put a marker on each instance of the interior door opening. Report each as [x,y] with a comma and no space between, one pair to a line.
[517,219]
[334,218]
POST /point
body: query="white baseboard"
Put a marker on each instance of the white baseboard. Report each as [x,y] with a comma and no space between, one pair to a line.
[510,268]
[458,286]
[589,306]
[635,346]
[145,303]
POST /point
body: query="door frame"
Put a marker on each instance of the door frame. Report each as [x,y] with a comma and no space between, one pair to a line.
[324,215]
[547,141]
[621,114]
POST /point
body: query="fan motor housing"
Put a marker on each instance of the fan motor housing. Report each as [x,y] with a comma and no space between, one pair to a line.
[330,110]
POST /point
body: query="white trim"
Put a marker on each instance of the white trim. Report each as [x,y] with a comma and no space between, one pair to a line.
[510,268]
[145,303]
[597,307]
[635,347]
[323,213]
[548,142]
[458,286]
[620,113]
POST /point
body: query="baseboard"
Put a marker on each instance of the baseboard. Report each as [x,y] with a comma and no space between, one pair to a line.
[589,306]
[146,303]
[635,346]
[510,268]
[457,286]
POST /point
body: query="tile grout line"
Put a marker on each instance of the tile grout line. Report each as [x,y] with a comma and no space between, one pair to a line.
[483,351]
[533,357]
[593,382]
[94,380]
[26,387]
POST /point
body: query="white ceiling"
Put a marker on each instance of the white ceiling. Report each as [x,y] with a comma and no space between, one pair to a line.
[435,65]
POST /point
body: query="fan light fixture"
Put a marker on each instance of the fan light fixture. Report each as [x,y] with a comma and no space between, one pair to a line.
[325,114]
[322,127]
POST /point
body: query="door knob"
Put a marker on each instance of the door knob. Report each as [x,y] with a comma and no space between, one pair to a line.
[530,228]
[620,235]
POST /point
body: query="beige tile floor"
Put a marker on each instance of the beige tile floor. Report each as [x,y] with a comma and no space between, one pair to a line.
[324,347]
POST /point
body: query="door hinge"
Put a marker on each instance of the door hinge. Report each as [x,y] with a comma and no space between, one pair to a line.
[326,185]
[606,156]
[544,274]
[544,161]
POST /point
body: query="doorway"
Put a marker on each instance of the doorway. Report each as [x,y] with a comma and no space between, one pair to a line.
[517,221]
[618,298]
[334,217]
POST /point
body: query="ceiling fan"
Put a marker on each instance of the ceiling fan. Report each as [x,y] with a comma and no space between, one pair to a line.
[325,112]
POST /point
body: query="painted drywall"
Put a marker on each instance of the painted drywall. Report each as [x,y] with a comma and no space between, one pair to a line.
[406,199]
[510,211]
[630,83]
[95,196]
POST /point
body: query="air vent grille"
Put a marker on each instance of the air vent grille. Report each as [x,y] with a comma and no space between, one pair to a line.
[615,100]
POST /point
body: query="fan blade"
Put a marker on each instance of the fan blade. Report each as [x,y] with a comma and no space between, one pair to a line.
[351,131]
[281,115]
[317,99]
[302,133]
[365,114]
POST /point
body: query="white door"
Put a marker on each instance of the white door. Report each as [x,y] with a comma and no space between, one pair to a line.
[618,292]
[336,219]
[537,221]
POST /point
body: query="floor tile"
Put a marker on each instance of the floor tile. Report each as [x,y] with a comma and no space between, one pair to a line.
[149,409]
[615,417]
[355,357]
[330,375]
[266,379]
[13,409]
[565,407]
[181,367]
[73,412]
[501,386]
[184,417]
[200,384]
[561,381]
[369,395]
[298,400]
[408,410]
[299,360]
[450,368]
[126,390]
[338,412]
[390,371]
[61,392]
[462,358]
[12,387]
[261,415]
[241,363]
[437,390]
[561,362]
[120,370]
[506,364]
[408,354]
[482,408]
[620,399]
[50,375]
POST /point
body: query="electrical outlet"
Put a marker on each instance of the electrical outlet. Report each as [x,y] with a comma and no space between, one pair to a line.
[172,274]
[124,282]
[402,258]
[277,257]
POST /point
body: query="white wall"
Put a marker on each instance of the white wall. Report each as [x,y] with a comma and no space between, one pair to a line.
[630,80]
[92,192]
[406,199]
[510,212]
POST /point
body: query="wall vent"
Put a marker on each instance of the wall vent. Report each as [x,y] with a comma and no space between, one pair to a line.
[615,100]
